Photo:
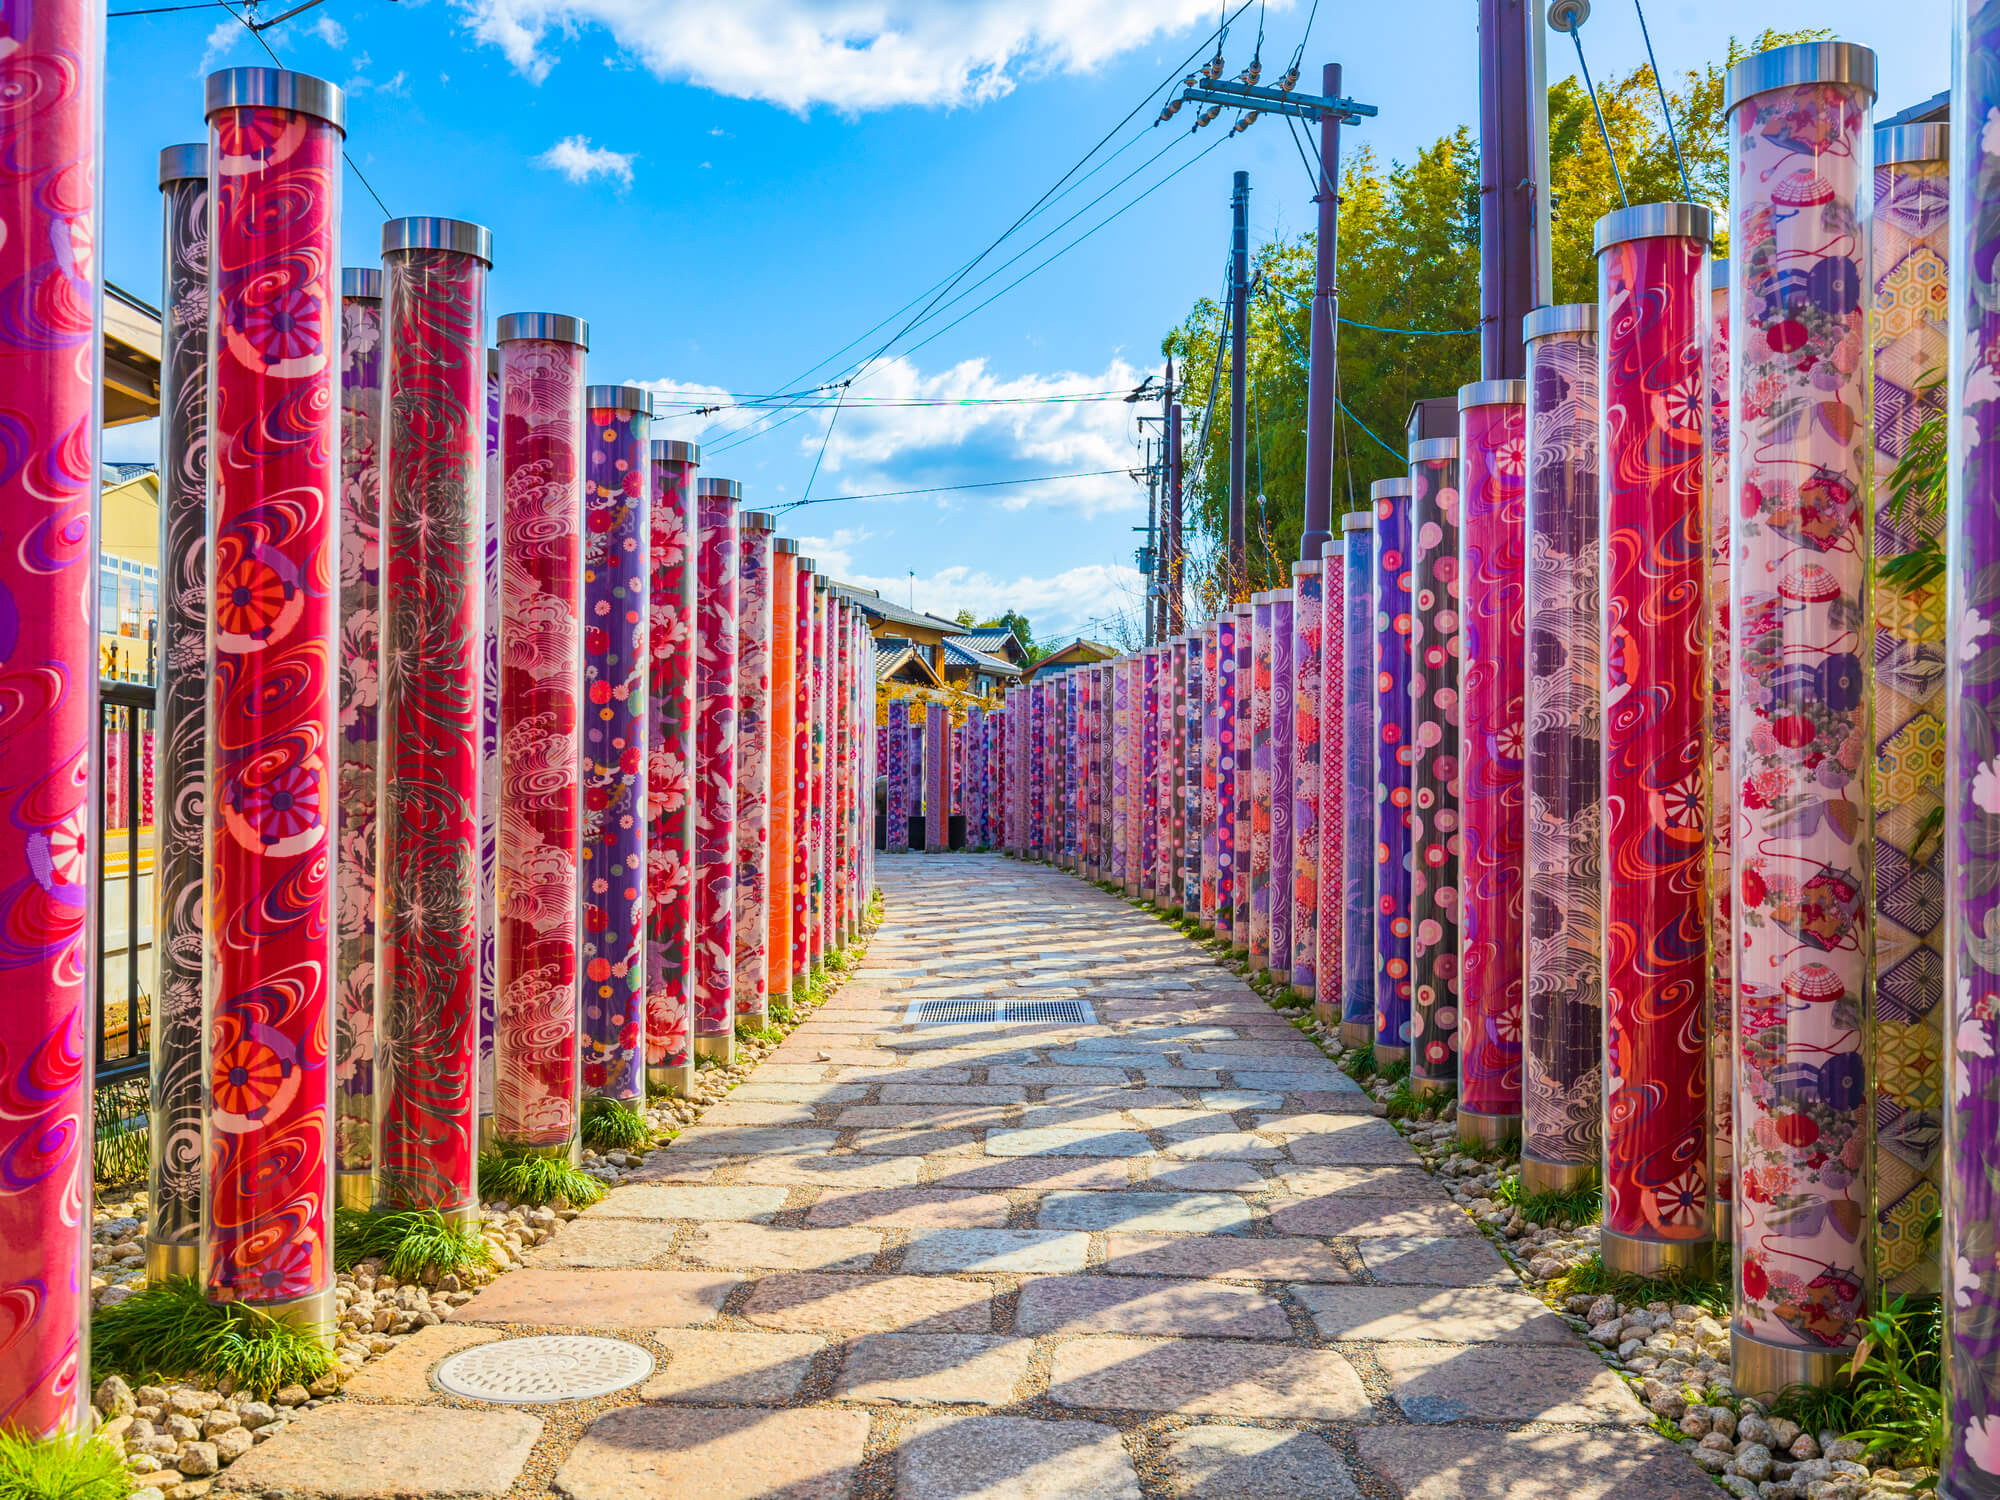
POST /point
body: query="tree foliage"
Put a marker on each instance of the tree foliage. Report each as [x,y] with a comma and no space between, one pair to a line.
[1409,259]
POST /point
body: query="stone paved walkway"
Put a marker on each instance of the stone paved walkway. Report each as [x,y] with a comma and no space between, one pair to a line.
[1168,1254]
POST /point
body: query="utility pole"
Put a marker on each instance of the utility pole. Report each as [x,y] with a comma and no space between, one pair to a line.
[1239,379]
[1513,211]
[1155,608]
[1330,110]
[1176,607]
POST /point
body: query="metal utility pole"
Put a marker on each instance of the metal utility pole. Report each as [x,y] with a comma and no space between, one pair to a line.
[1155,607]
[1513,276]
[1175,605]
[1239,380]
[1331,111]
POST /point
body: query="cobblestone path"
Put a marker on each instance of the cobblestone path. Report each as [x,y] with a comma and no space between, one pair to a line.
[1169,1252]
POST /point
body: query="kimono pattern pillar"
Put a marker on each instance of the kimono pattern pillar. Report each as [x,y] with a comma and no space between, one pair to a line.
[1308,600]
[1912,301]
[489,764]
[1721,819]
[173,1225]
[427,825]
[1562,1040]
[1210,686]
[1492,459]
[49,401]
[1798,122]
[1970,1466]
[753,766]
[937,778]
[1357,874]
[1652,297]
[1091,852]
[537,1047]
[617,651]
[1332,923]
[670,759]
[1435,843]
[1226,787]
[273,658]
[896,759]
[1391,498]
[1121,769]
[1262,752]
[1188,887]
[718,503]
[1246,655]
[1149,772]
[815,840]
[1282,685]
[784,715]
[802,758]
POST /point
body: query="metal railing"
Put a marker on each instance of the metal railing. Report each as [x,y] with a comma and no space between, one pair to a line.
[121,841]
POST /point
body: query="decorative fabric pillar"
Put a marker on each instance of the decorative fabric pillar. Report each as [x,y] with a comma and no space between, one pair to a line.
[1261,752]
[1970,1466]
[617,650]
[816,753]
[1227,789]
[1721,949]
[1562,1021]
[427,830]
[48,489]
[1492,417]
[1912,247]
[840,771]
[1391,499]
[1798,125]
[897,760]
[1652,296]
[718,503]
[1149,773]
[1072,697]
[1435,843]
[1188,887]
[273,659]
[537,1040]
[670,761]
[1246,788]
[1282,698]
[1087,749]
[1121,769]
[180,724]
[1357,947]
[1036,759]
[1334,834]
[489,763]
[1211,673]
[802,756]
[937,771]
[1308,599]
[753,766]
[784,714]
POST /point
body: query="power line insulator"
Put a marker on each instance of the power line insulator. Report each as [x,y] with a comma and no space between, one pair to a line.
[1244,122]
[1290,80]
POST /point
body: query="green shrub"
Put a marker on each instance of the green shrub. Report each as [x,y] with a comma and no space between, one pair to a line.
[64,1467]
[408,1242]
[172,1329]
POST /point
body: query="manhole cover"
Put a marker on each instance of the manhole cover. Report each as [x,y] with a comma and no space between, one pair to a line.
[565,1367]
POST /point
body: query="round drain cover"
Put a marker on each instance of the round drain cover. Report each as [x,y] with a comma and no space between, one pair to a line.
[564,1367]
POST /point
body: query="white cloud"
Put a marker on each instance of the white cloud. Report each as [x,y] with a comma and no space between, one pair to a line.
[330,31]
[133,442]
[221,42]
[1088,599]
[579,161]
[717,130]
[850,54]
[675,397]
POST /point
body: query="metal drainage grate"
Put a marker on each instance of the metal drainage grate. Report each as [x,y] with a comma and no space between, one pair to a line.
[565,1367]
[993,1012]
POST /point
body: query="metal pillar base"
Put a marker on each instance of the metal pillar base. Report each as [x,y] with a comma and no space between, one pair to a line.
[777,1000]
[570,1150]
[166,1258]
[757,1014]
[314,1315]
[1325,1015]
[1283,976]
[722,1048]
[1356,1033]
[1429,1088]
[489,1137]
[357,1189]
[1488,1132]
[1625,1255]
[1388,1057]
[677,1081]
[1305,992]
[1722,1215]
[1556,1176]
[1760,1370]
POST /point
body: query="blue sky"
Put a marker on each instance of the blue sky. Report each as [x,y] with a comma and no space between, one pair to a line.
[732,192]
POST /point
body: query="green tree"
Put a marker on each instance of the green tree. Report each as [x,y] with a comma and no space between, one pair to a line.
[1018,623]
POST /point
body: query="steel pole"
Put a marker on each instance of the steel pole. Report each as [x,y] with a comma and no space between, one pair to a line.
[1323,371]
[1175,609]
[1239,380]
[1506,187]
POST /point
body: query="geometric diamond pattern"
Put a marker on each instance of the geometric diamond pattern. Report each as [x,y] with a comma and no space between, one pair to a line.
[1911,989]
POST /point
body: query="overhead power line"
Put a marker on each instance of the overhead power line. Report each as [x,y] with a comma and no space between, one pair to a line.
[939,489]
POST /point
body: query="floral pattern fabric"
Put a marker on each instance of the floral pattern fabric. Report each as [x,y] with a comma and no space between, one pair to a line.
[1261,765]
[753,771]
[1308,598]
[1227,788]
[1391,778]
[1332,782]
[1357,948]
[1435,843]
[670,760]
[716,647]
[1282,686]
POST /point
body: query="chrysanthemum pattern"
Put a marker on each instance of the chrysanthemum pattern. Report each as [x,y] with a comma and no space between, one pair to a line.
[1308,599]
[715,767]
[1391,770]
[1434,765]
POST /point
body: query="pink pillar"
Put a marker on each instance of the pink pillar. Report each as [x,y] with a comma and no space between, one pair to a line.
[822,687]
[1492,420]
[753,766]
[48,492]
[841,651]
[273,644]
[1327,1003]
[802,753]
[1307,600]
[1721,956]
[717,549]
[670,786]
[1652,281]
[433,563]
[1246,658]
[536,1040]
[784,709]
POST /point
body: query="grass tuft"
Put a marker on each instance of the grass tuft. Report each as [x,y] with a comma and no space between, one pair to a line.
[408,1242]
[1396,1072]
[536,1180]
[1359,1063]
[64,1467]
[1584,1205]
[609,1125]
[172,1329]
[121,1132]
[1590,1278]
[1892,1398]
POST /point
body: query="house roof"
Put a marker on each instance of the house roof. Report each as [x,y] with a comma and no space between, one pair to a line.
[1077,653]
[874,605]
[897,661]
[959,651]
[998,641]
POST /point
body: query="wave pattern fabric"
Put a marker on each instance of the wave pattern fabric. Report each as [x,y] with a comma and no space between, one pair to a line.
[1563,1021]
[1721,949]
[1799,464]
[428,835]
[273,665]
[536,1040]
[1653,296]
[670,754]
